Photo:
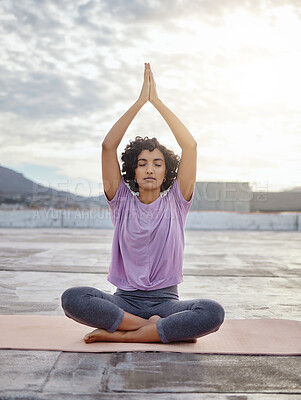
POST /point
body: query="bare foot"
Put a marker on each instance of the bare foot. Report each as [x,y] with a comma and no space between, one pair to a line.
[98,335]
[102,335]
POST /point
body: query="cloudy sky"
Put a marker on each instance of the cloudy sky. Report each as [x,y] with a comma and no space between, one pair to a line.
[229,69]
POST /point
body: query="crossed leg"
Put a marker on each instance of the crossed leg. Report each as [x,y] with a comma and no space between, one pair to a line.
[181,320]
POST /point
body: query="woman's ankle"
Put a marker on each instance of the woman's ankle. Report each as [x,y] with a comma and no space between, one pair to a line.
[145,334]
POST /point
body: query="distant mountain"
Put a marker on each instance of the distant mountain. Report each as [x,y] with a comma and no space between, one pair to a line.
[13,182]
[15,188]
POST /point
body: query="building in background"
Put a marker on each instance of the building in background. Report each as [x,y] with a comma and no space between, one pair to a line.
[238,196]
[222,196]
[289,201]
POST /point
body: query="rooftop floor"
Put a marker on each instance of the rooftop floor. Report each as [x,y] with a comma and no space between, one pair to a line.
[252,274]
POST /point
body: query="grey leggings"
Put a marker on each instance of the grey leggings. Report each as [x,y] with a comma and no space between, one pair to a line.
[180,320]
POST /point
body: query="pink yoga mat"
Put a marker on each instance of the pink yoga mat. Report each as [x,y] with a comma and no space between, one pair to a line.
[236,336]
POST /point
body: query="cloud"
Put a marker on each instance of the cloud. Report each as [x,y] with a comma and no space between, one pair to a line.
[69,70]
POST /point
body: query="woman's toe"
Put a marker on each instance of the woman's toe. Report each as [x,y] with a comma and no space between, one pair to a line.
[88,338]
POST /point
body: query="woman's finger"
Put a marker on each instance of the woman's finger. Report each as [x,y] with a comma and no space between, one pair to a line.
[152,79]
[151,74]
[153,90]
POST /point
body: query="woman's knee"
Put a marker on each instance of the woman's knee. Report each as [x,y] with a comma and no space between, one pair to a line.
[71,296]
[214,311]
[219,312]
[67,298]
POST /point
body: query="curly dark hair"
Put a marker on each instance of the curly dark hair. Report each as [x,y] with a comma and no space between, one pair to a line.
[130,156]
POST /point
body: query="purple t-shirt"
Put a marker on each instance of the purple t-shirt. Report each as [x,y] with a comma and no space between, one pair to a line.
[148,242]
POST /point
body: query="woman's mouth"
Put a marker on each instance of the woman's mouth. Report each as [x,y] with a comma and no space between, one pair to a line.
[149,179]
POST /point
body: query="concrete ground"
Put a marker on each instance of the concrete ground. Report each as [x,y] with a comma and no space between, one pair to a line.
[252,274]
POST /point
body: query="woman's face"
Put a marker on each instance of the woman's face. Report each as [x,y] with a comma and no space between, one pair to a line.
[151,169]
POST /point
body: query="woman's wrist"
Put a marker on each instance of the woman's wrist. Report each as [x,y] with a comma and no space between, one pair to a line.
[156,102]
[141,102]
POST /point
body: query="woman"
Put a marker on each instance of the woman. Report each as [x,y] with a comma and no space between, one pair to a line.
[148,243]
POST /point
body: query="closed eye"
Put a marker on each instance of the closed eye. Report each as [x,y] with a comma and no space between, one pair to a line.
[156,165]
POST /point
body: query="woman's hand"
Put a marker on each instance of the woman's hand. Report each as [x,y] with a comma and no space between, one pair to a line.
[153,95]
[144,95]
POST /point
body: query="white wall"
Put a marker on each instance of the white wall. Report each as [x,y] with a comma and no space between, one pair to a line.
[202,220]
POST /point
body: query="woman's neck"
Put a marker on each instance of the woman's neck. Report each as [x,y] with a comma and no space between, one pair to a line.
[148,196]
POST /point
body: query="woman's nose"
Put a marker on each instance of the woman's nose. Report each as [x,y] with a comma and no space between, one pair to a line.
[149,169]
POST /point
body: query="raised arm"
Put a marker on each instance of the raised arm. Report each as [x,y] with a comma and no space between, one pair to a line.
[186,175]
[111,174]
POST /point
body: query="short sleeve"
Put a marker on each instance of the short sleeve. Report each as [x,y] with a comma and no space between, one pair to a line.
[119,200]
[182,203]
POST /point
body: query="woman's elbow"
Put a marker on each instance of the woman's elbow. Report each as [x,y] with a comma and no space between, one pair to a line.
[107,146]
